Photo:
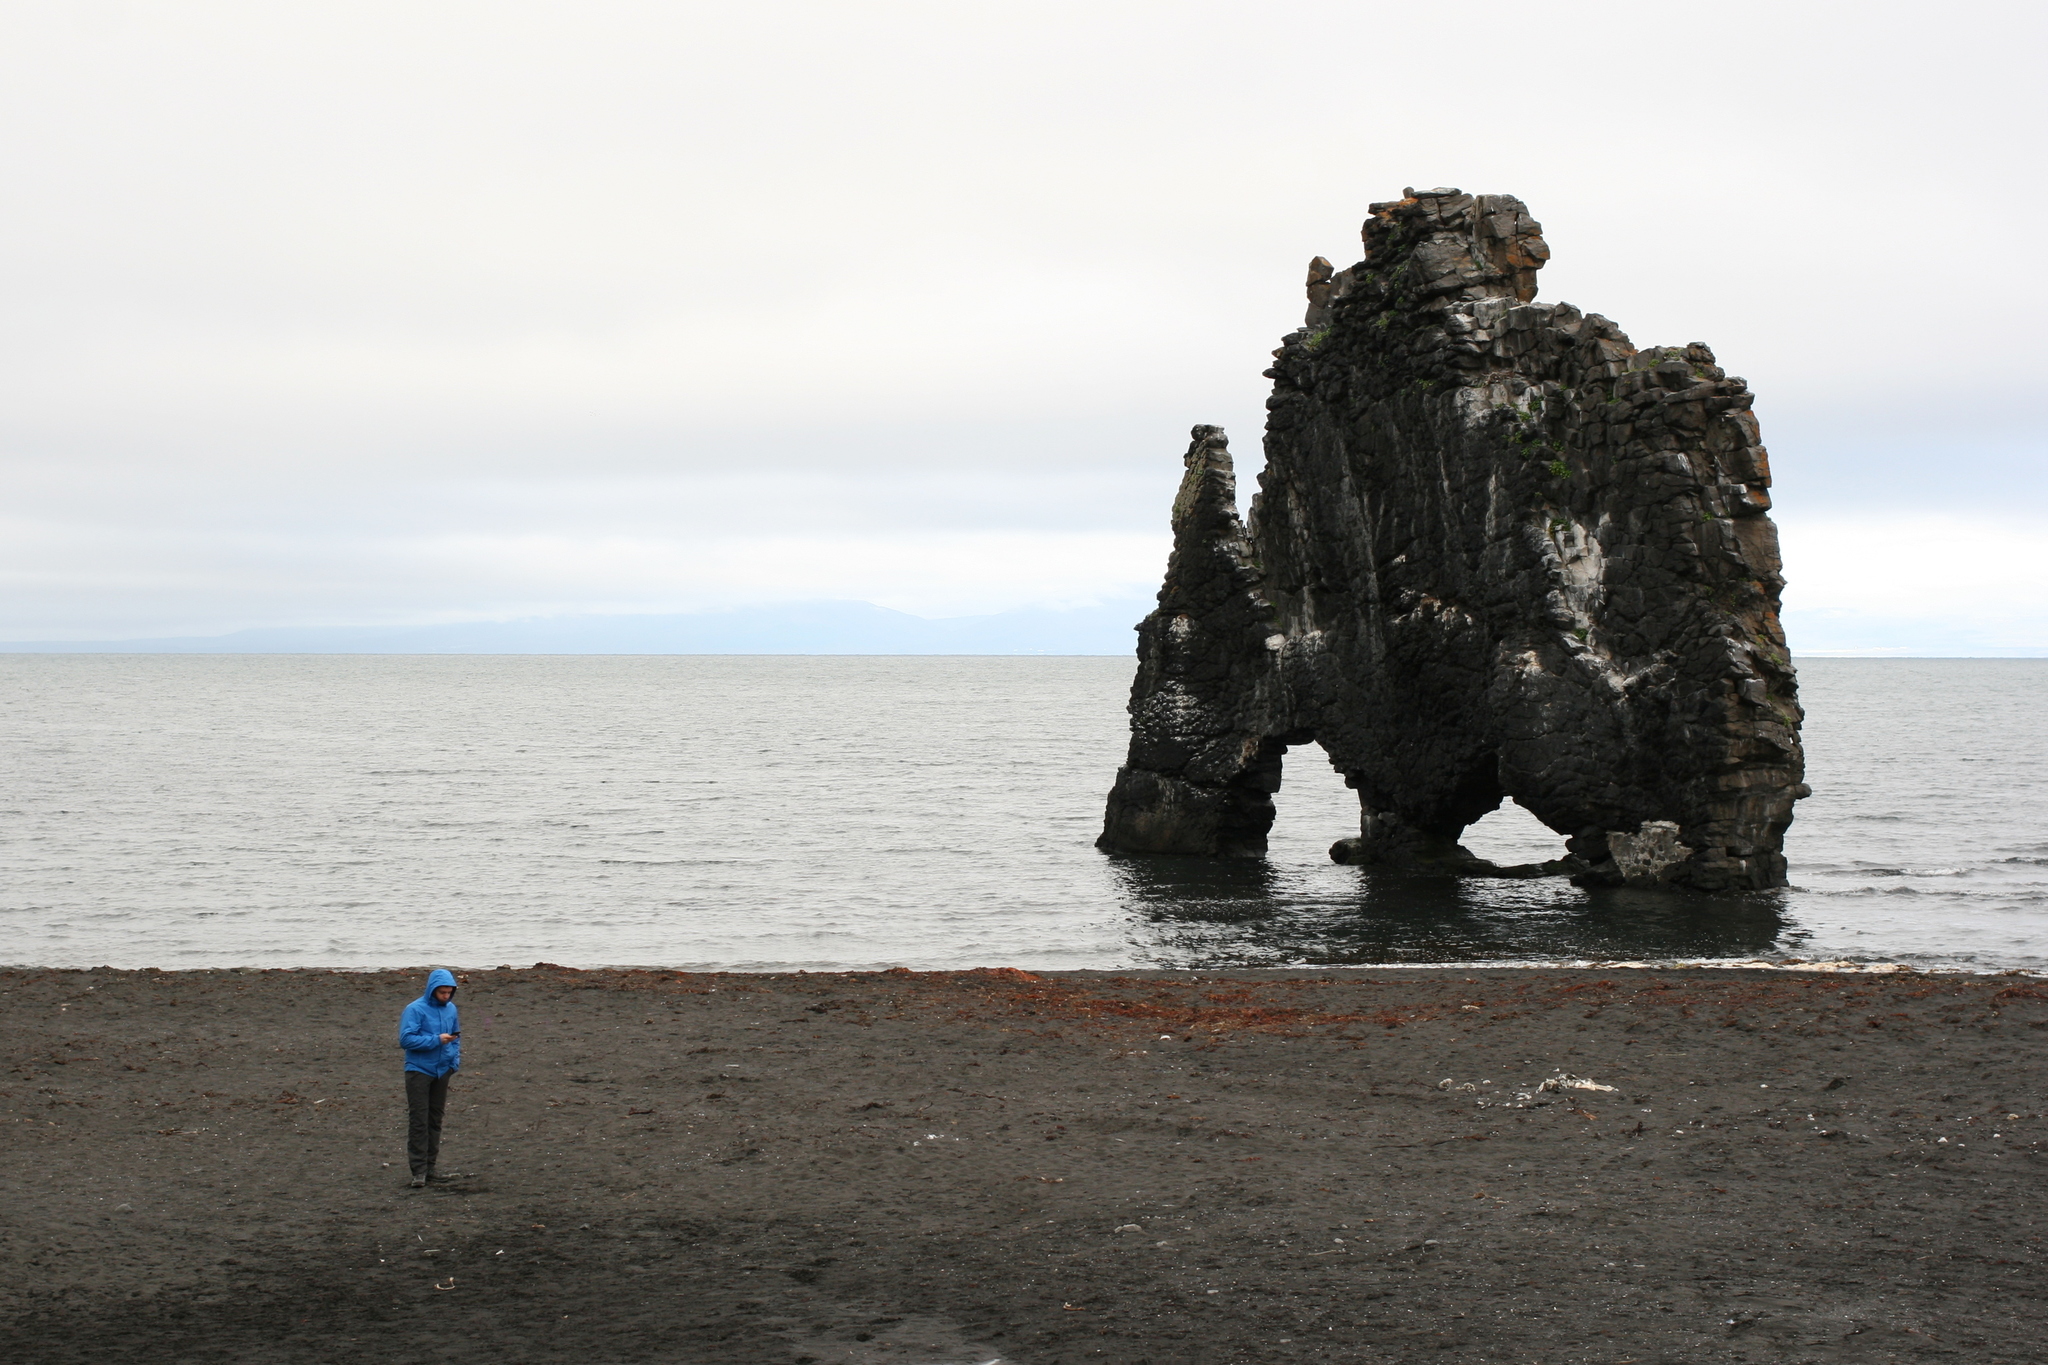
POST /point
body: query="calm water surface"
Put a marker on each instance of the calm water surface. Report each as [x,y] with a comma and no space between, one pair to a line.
[754,813]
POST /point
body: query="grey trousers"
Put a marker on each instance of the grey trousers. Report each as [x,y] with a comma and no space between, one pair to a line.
[426,1100]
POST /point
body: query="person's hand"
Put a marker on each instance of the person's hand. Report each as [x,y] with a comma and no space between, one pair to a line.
[447,1037]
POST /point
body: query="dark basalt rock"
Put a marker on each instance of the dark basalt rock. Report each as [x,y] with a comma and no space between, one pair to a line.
[1497,552]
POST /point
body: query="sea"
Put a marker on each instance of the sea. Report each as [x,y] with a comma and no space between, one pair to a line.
[756,813]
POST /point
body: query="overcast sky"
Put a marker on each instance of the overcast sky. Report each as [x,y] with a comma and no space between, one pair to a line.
[376,313]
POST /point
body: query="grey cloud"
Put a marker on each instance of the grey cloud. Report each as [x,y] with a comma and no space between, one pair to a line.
[293,292]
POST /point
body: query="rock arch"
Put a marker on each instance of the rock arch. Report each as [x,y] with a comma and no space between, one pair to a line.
[1497,551]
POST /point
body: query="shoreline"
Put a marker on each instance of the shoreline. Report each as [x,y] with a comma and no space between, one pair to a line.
[1829,966]
[1140,1166]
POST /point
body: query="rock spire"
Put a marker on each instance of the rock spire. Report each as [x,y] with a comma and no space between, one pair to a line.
[1497,552]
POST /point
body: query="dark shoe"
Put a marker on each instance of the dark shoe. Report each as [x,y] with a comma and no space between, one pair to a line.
[418,1181]
[442,1177]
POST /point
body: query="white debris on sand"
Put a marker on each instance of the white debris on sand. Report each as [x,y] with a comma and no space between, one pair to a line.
[1564,1080]
[1536,1096]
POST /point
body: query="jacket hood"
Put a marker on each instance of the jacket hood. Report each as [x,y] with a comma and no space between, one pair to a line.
[437,978]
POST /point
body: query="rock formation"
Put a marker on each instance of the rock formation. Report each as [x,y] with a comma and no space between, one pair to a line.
[1497,552]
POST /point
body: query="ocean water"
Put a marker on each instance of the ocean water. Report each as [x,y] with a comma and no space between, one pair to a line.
[755,813]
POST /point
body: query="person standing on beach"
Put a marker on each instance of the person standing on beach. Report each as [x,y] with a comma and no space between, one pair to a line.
[430,1031]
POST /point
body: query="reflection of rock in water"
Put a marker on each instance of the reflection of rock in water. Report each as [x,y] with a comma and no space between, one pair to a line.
[1200,887]
[1221,913]
[1241,900]
[1497,552]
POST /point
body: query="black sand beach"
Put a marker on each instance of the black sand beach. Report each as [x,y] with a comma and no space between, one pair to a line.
[965,1167]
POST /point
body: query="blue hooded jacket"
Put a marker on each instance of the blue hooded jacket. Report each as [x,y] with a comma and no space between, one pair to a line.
[421,1026]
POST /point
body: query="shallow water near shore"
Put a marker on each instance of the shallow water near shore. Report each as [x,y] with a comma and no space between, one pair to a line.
[756,813]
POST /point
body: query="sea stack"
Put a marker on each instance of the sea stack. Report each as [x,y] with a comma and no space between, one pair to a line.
[1497,552]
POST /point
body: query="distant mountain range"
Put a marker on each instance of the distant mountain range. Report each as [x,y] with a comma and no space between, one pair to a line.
[864,628]
[783,628]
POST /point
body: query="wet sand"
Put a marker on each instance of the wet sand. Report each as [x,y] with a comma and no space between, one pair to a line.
[965,1167]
